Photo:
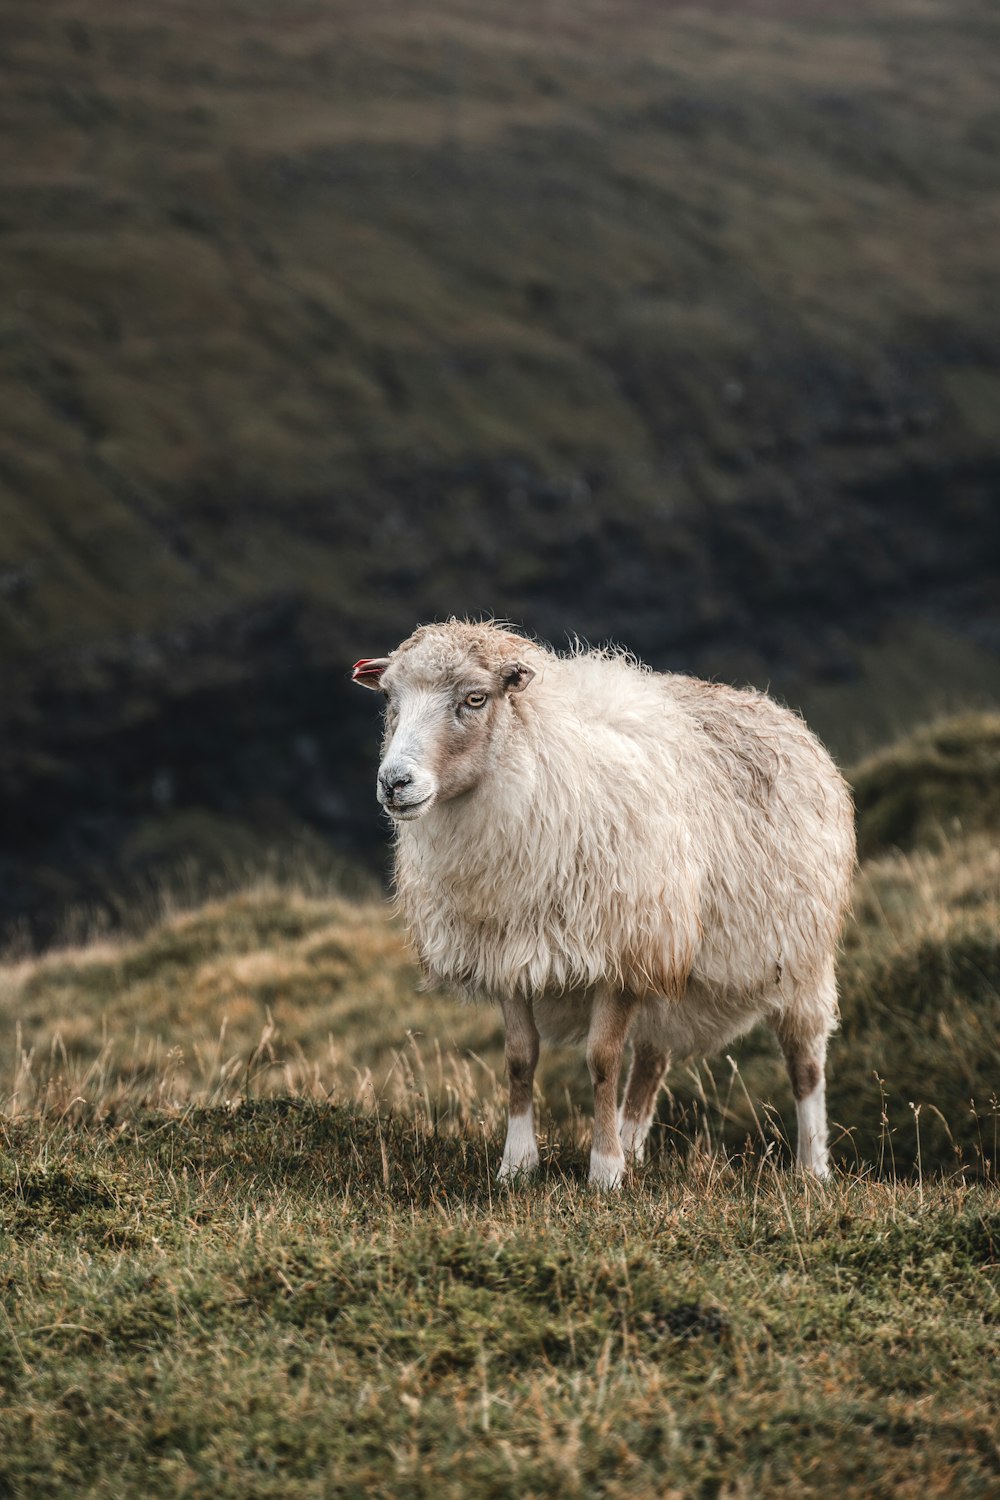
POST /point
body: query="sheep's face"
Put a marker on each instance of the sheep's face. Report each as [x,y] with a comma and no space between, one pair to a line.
[448,709]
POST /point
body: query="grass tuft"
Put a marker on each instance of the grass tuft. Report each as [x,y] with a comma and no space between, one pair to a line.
[940,779]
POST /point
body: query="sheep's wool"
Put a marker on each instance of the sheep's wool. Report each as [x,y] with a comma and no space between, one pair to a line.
[672,837]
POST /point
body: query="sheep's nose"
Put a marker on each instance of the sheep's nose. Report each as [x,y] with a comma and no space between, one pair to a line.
[393,781]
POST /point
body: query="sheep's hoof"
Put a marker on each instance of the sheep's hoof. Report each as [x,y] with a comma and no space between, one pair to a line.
[606,1171]
[510,1170]
[633,1139]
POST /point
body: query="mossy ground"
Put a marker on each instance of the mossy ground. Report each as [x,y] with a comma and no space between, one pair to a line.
[251,1242]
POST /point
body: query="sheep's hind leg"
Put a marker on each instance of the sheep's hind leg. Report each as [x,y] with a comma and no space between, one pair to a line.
[803,1033]
[610,1018]
[649,1066]
[520,1153]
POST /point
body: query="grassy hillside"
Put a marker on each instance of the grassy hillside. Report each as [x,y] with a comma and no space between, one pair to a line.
[252,1243]
[273,990]
[673,323]
[284,987]
[263,263]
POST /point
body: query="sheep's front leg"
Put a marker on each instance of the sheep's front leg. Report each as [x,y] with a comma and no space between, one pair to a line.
[649,1065]
[520,1154]
[610,1019]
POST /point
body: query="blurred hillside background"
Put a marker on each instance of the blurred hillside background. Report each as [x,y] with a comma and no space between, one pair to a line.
[678,325]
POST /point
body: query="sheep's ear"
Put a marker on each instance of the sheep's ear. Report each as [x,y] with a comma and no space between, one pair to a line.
[515,676]
[368,671]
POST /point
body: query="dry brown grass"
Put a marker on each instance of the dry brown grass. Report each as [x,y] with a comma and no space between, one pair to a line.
[278,990]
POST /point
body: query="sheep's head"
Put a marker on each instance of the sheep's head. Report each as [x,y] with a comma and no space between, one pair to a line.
[449,706]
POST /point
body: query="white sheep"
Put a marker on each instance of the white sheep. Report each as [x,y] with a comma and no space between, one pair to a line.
[612,854]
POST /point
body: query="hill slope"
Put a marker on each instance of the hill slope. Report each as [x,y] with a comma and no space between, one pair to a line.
[669,323]
[287,988]
[252,1242]
[629,263]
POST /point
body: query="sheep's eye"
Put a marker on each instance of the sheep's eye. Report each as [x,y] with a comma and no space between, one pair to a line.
[474,700]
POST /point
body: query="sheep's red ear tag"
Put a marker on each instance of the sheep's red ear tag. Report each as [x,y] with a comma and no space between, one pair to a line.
[368,671]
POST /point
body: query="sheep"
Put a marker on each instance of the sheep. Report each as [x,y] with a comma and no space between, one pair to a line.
[614,855]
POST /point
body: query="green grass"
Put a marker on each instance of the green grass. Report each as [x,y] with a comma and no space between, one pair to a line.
[292,1299]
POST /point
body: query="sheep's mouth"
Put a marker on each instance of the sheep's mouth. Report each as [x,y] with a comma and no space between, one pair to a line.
[405,812]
